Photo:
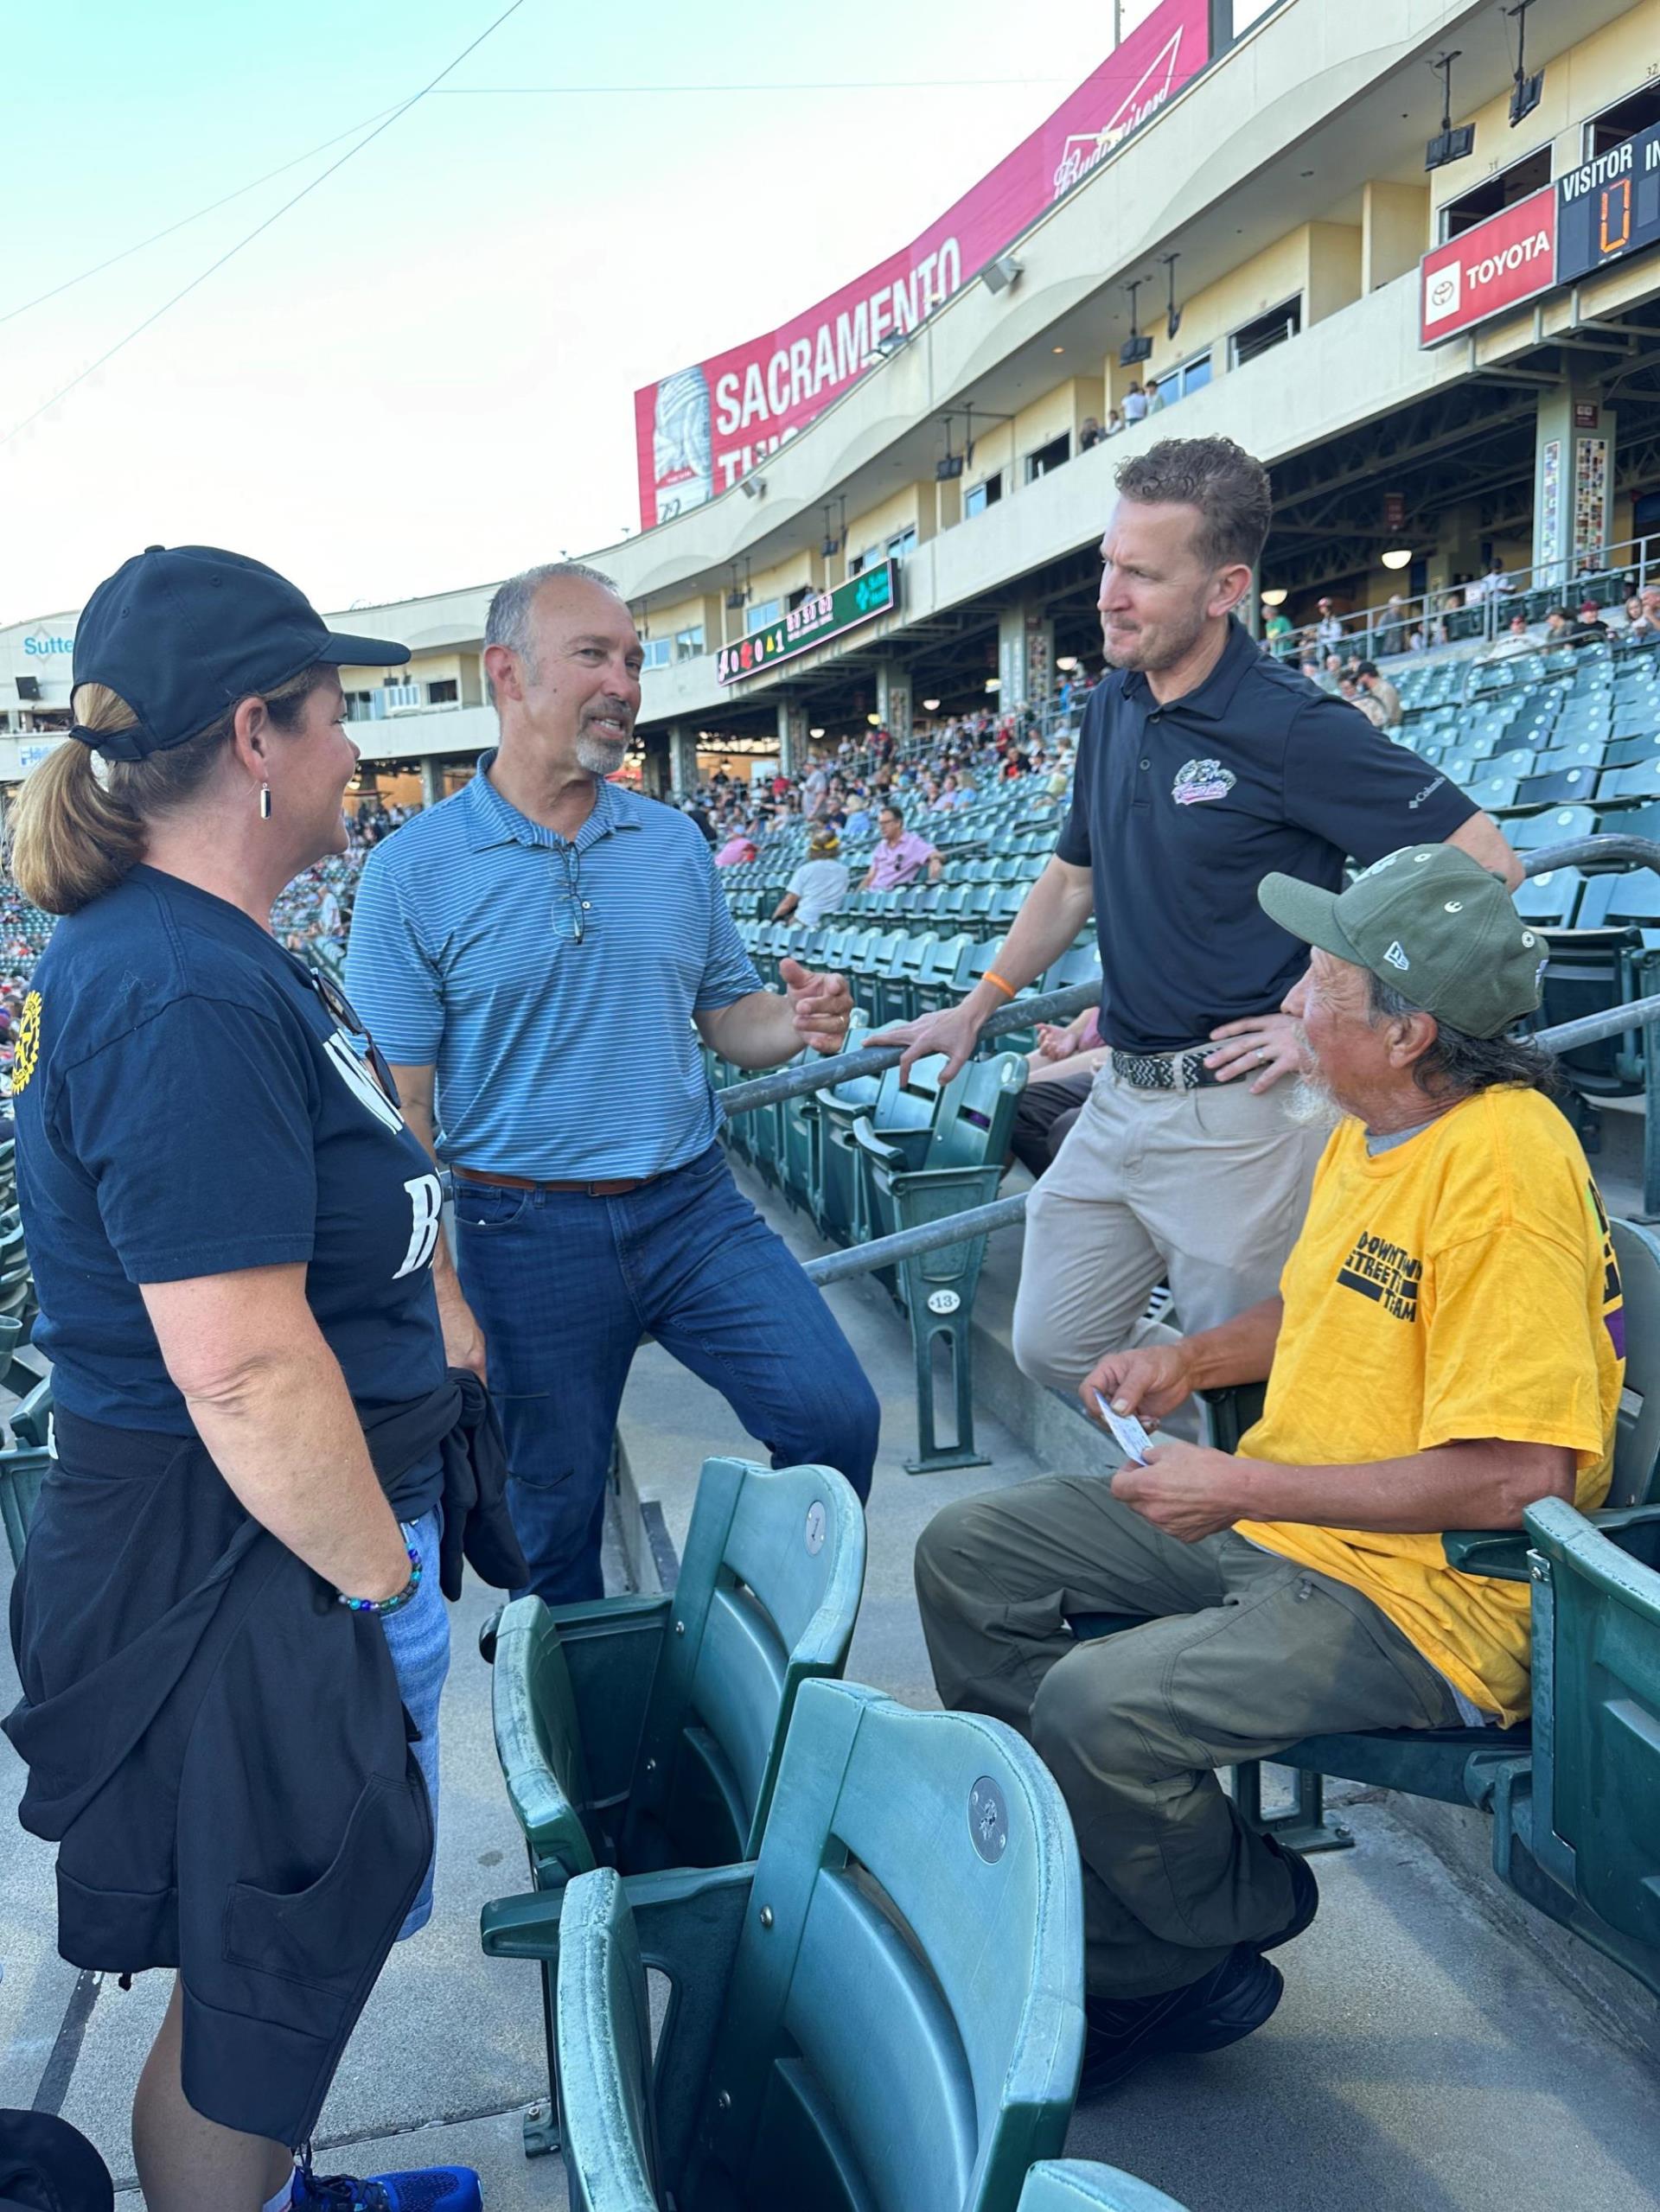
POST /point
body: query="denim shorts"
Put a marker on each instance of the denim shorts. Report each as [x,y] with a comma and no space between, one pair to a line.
[418,1637]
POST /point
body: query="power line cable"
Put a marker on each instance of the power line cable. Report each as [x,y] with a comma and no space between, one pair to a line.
[10,314]
[466,91]
[230,254]
[806,85]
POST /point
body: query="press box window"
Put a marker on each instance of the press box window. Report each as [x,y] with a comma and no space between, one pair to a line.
[1054,455]
[757,618]
[445,693]
[1266,332]
[655,652]
[1494,193]
[986,493]
[1622,121]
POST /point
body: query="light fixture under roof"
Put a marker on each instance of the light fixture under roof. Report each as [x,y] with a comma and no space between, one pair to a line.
[930,706]
[816,733]
[1398,557]
[1277,597]
[1067,663]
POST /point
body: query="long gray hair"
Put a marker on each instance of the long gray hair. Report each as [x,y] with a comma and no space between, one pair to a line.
[1458,1066]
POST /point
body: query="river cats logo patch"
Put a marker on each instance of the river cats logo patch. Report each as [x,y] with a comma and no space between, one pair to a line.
[27,1052]
[1198,781]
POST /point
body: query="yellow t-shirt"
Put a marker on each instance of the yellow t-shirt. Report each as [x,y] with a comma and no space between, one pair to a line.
[1458,1286]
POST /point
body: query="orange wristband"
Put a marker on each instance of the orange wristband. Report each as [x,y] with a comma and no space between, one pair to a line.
[991,976]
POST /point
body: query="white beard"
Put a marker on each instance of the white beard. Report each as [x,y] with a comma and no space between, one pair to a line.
[1311,1105]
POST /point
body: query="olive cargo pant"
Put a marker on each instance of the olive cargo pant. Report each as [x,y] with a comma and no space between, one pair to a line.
[1248,1652]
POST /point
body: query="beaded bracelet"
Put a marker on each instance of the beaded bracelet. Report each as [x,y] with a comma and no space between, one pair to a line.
[384,1605]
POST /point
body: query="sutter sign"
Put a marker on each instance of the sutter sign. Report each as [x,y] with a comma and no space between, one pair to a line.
[821,615]
[1492,266]
[697,433]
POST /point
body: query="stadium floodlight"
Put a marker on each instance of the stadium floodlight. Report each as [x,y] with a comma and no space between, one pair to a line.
[1000,276]
[930,706]
[1398,557]
[754,486]
[1448,145]
[1525,97]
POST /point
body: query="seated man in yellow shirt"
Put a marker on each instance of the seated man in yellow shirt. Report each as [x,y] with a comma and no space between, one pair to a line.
[1446,1348]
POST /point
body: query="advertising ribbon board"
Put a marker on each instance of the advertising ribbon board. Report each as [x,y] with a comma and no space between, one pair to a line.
[820,616]
[698,431]
[1488,268]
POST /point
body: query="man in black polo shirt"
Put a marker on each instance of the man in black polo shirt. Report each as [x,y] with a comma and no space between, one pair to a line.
[1204,766]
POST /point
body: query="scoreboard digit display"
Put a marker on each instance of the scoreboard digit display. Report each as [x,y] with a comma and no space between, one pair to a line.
[1609,208]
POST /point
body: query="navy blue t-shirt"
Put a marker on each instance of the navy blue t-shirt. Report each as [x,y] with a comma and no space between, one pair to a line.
[188,1104]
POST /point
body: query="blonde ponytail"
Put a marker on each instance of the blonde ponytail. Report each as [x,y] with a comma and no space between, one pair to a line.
[79,824]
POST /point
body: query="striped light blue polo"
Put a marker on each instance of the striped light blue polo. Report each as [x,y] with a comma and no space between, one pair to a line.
[551,983]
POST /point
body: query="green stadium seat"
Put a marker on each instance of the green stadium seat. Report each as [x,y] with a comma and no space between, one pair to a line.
[645,1732]
[883,2013]
[924,1154]
[1539,831]
[1069,2185]
[1550,897]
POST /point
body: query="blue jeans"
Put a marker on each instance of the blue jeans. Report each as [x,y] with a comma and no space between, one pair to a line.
[418,1639]
[565,1286]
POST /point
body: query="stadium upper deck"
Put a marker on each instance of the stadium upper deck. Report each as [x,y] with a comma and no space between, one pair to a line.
[1449,366]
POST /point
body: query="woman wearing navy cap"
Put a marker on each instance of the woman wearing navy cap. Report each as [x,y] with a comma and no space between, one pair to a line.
[227,1622]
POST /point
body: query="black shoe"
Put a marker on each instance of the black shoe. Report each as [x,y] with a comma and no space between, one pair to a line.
[1305,1897]
[1221,2007]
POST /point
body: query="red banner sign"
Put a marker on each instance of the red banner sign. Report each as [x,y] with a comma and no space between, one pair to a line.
[1492,266]
[700,430]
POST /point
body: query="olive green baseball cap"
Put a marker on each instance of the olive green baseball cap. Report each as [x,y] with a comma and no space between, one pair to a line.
[1431,923]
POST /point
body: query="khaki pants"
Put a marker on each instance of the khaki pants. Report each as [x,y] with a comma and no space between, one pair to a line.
[1205,1189]
[1243,1653]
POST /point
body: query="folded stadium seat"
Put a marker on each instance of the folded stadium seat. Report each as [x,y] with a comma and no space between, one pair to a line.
[1071,2185]
[954,901]
[836,1196]
[1596,1678]
[1007,900]
[1551,788]
[1549,898]
[798,1124]
[646,1731]
[1638,783]
[1535,833]
[924,901]
[926,1152]
[1493,791]
[935,984]
[1630,900]
[883,2013]
[1630,751]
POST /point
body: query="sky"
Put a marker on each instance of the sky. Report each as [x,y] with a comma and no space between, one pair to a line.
[420,376]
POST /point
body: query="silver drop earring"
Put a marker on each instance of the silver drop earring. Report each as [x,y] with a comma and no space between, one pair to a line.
[264,802]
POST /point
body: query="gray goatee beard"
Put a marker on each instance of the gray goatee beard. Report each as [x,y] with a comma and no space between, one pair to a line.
[600,755]
[1311,1105]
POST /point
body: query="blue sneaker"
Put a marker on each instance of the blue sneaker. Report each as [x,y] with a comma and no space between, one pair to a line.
[426,2189]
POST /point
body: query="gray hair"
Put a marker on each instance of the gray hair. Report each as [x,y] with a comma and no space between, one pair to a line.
[1458,1066]
[508,620]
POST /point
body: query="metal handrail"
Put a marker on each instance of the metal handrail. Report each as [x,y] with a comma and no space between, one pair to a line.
[875,1059]
[1596,854]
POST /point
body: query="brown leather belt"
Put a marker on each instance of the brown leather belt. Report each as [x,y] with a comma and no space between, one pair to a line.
[618,1187]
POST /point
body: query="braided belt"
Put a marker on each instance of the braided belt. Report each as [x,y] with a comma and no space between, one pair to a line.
[1165,1071]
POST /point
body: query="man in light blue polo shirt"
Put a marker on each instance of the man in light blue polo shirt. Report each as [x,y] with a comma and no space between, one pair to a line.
[538,958]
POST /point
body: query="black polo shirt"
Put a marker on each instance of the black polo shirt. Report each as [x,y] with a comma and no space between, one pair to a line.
[1180,810]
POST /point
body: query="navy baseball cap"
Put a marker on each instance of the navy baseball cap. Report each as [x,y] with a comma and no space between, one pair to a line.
[183,633]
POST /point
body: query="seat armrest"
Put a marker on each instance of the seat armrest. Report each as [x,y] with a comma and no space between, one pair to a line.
[628,1611]
[1499,1554]
[879,1149]
[675,1913]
